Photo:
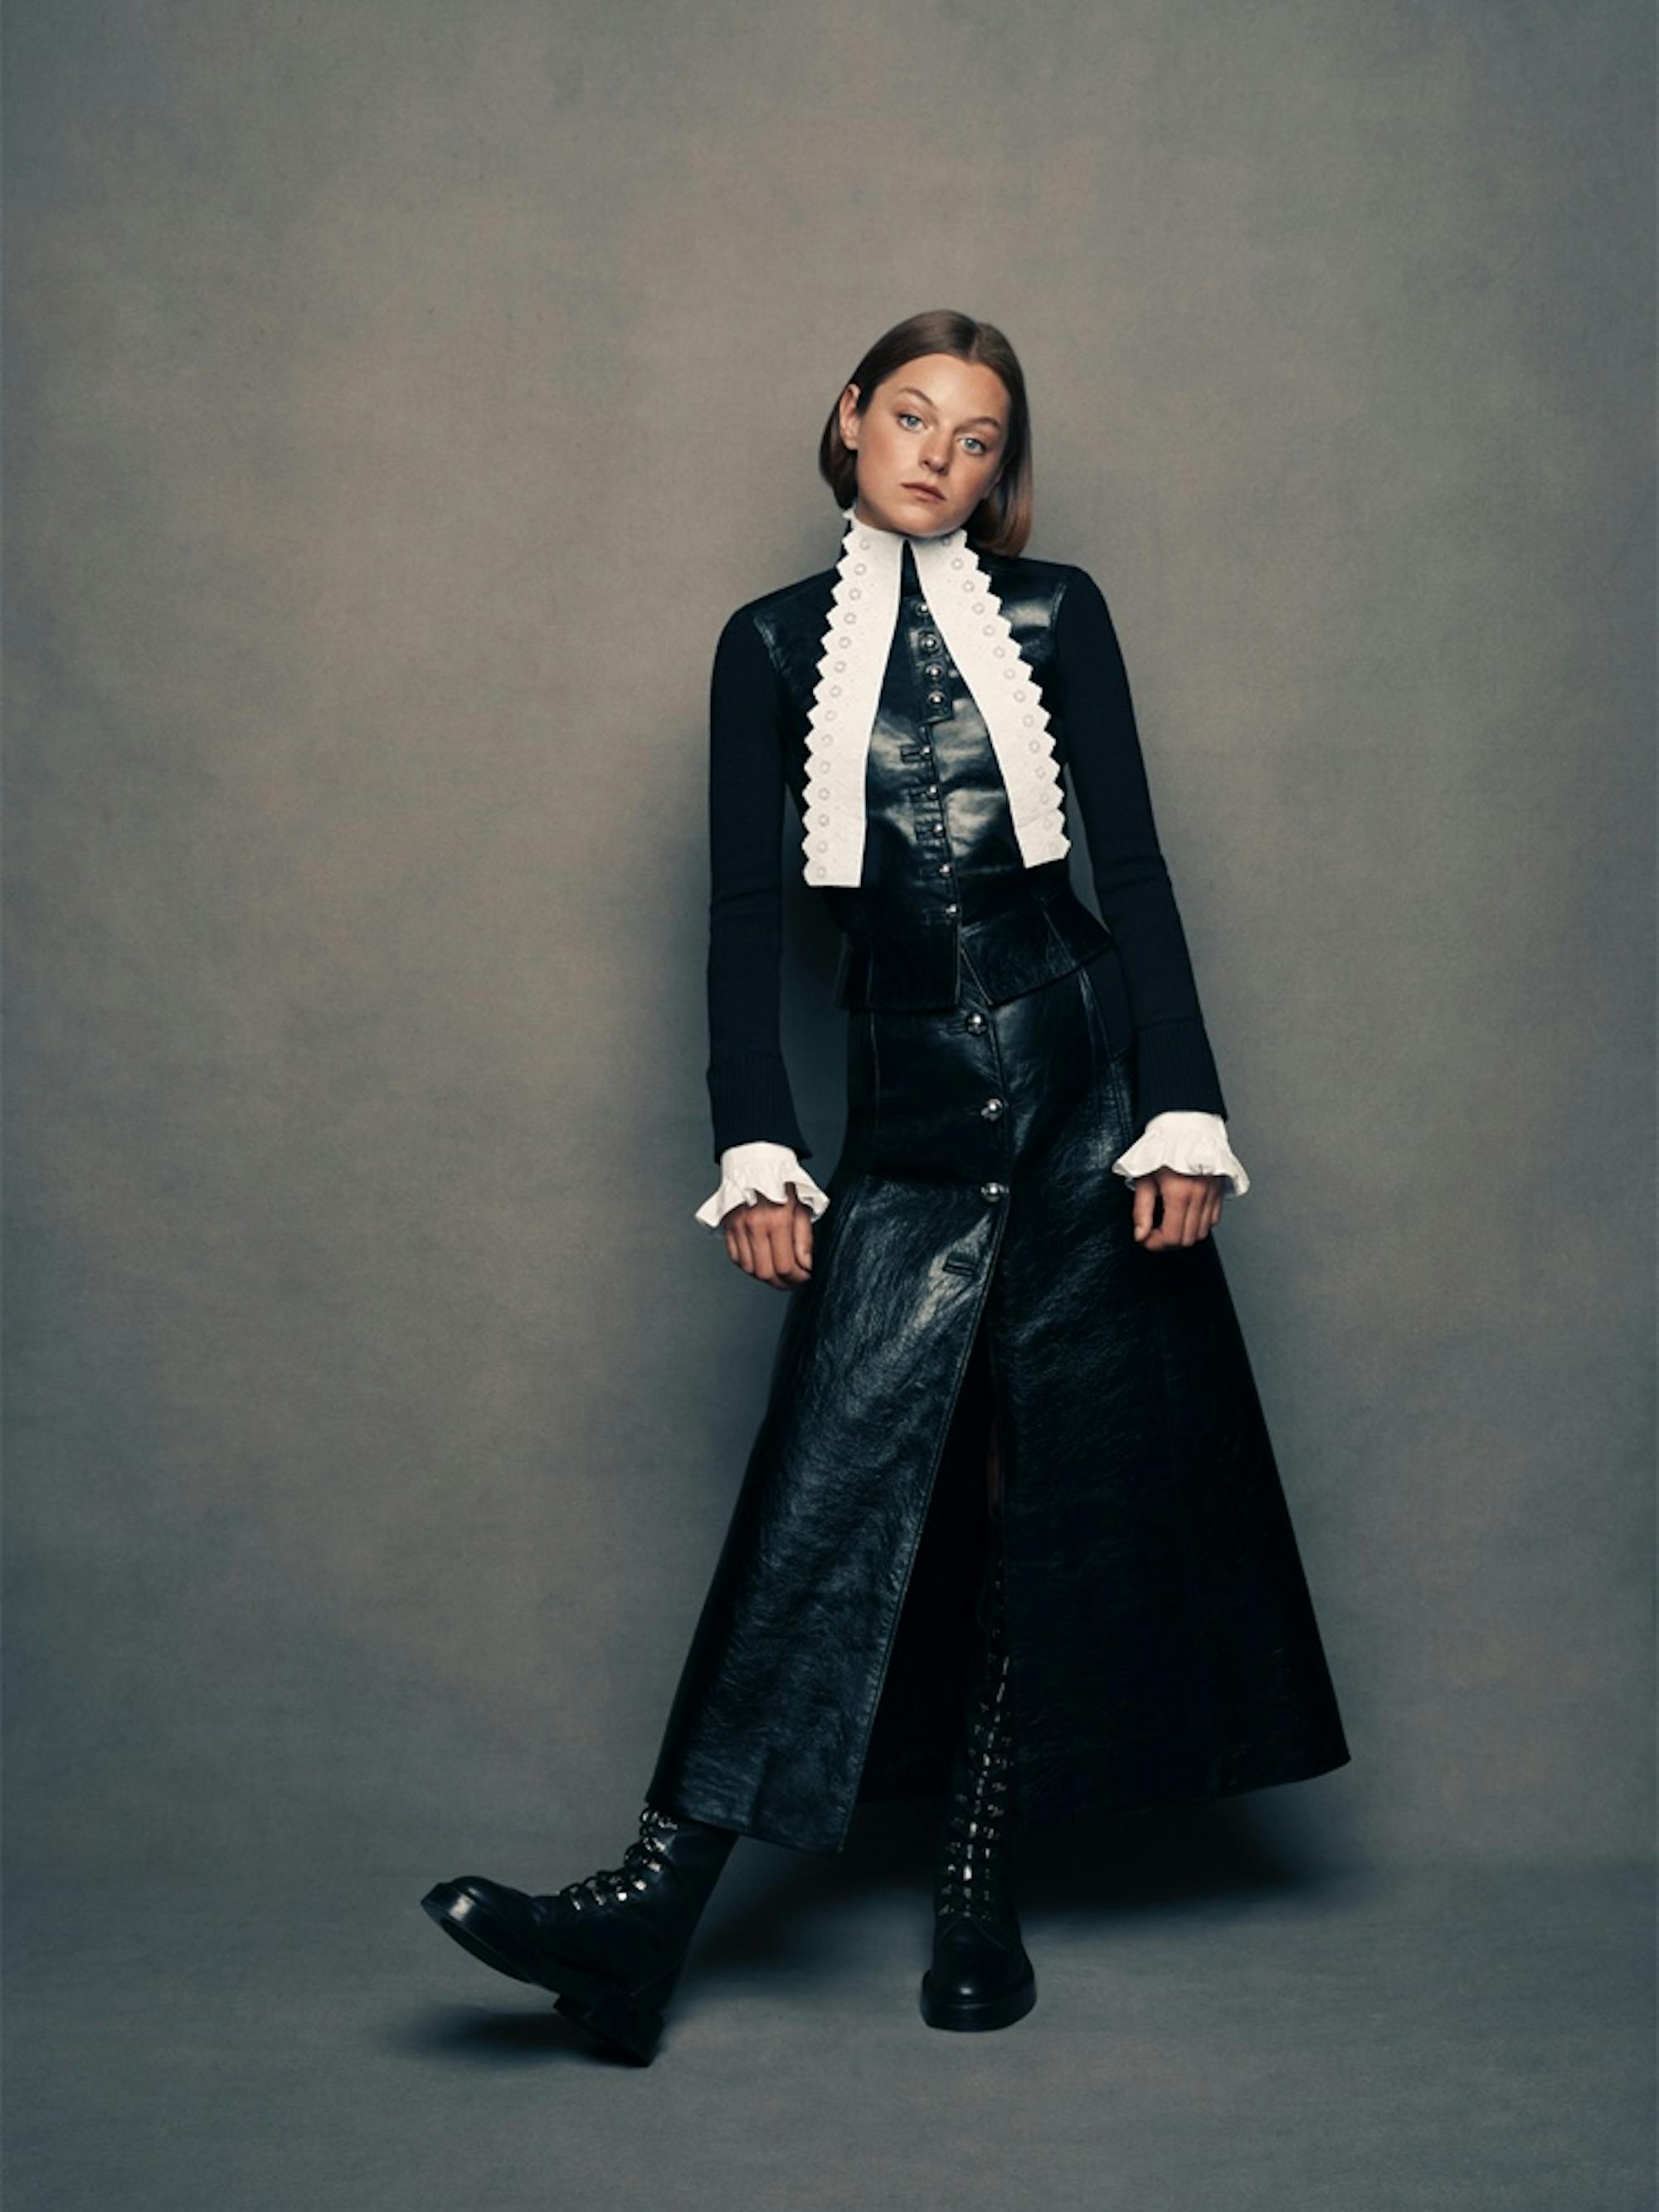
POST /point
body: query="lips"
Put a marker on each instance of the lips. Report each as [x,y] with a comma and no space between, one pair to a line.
[927,491]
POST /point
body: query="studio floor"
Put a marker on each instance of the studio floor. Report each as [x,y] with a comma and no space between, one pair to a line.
[1208,2034]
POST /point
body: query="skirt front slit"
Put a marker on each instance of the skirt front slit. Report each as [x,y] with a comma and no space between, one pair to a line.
[977,1264]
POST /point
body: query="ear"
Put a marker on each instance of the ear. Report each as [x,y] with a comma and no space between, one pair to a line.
[849,417]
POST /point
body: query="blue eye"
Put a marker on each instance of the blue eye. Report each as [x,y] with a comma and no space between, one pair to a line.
[909,415]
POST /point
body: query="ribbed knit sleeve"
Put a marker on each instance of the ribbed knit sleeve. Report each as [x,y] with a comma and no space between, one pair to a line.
[748,1085]
[1175,1067]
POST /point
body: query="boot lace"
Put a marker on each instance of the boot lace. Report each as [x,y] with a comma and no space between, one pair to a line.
[616,1885]
[971,1872]
[969,1879]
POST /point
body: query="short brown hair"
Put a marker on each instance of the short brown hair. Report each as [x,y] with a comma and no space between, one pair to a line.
[1001,522]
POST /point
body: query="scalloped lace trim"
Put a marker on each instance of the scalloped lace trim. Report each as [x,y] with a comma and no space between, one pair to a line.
[760,1170]
[863,611]
[1190,1143]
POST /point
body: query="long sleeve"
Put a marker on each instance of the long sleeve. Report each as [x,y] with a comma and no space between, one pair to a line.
[748,1084]
[1175,1066]
[752,1172]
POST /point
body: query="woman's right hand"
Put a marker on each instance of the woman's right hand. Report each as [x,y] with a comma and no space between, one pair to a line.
[772,1242]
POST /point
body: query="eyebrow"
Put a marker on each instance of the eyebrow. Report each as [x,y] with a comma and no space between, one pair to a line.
[995,420]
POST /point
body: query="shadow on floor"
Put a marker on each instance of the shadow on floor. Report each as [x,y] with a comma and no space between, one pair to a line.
[778,1905]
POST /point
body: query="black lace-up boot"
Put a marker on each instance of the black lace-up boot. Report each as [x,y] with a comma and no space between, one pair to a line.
[980,1976]
[611,1944]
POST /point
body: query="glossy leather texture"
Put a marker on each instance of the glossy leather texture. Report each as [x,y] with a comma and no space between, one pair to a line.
[611,1946]
[933,892]
[978,1249]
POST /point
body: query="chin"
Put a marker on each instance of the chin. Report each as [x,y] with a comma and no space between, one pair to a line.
[918,517]
[924,518]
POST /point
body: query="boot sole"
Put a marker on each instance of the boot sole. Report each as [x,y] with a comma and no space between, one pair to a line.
[967,2015]
[627,2020]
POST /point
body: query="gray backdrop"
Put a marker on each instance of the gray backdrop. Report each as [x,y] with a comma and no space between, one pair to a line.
[399,399]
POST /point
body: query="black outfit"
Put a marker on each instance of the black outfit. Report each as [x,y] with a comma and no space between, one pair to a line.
[1005,1046]
[765,666]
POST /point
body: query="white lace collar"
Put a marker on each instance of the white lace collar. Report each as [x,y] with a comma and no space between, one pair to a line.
[864,611]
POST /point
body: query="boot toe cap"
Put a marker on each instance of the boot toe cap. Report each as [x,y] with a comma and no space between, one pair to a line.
[475,1897]
[973,1963]
[496,1923]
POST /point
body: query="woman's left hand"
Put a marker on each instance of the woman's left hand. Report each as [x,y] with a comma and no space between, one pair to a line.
[1192,1206]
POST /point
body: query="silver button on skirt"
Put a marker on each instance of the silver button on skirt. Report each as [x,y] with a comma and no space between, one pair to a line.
[977,1262]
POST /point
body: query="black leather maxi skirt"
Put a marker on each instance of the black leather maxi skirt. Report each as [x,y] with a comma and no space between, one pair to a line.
[977,1262]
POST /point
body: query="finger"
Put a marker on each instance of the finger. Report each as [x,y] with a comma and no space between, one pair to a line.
[737,1242]
[1161,1234]
[760,1242]
[1146,1198]
[760,1237]
[1169,1237]
[1186,1199]
[785,1267]
[803,1227]
[772,1253]
[1175,1230]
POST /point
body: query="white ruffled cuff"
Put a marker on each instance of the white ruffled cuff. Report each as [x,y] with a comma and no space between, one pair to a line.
[1191,1144]
[760,1170]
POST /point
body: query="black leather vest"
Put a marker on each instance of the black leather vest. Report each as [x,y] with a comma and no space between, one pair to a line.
[943,880]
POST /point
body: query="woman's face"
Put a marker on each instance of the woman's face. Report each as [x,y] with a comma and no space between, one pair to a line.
[930,444]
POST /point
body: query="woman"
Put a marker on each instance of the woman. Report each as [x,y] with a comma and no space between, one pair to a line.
[1011,1529]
